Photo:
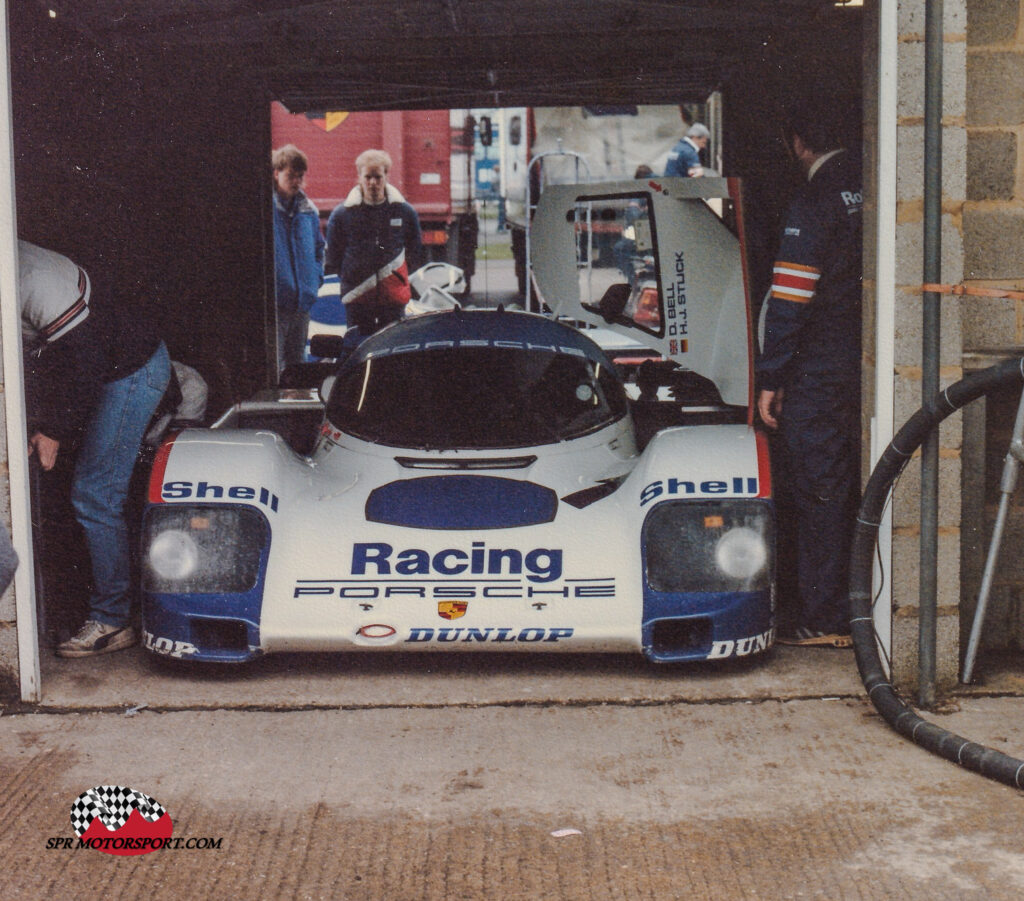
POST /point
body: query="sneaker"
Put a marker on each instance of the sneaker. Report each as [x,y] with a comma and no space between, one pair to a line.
[97,638]
[813,638]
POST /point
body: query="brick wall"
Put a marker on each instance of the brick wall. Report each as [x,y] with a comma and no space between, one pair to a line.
[993,218]
[993,225]
[905,568]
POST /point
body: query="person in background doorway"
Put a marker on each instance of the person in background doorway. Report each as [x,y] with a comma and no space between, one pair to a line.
[624,250]
[94,375]
[684,157]
[298,253]
[373,243]
[809,372]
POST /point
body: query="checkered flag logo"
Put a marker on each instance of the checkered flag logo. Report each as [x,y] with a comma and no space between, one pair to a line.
[113,804]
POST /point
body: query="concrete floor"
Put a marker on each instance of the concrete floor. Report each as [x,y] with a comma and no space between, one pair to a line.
[427,680]
[456,777]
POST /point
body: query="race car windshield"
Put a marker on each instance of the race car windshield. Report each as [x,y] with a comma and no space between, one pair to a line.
[475,397]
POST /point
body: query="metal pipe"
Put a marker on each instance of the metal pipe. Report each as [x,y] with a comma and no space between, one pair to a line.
[929,551]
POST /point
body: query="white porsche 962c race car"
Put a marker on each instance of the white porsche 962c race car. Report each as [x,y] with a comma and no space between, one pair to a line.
[487,480]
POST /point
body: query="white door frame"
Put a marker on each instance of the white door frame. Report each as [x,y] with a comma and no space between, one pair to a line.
[14,391]
[882,417]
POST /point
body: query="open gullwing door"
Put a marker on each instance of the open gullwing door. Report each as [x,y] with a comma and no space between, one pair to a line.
[656,262]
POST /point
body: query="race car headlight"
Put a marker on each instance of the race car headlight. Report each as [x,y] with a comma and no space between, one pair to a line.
[741,553]
[201,550]
[174,555]
[710,546]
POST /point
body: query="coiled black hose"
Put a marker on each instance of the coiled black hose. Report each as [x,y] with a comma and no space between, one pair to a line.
[987,761]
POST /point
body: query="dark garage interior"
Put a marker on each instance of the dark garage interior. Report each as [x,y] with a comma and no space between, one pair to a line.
[142,136]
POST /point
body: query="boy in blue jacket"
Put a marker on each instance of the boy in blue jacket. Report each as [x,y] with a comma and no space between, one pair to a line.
[298,253]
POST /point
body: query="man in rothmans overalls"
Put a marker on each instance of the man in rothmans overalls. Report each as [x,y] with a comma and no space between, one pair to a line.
[809,372]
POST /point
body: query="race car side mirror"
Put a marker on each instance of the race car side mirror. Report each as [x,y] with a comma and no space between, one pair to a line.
[328,347]
[612,304]
[325,388]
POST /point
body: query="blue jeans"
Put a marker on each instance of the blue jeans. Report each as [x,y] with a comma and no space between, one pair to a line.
[102,476]
[291,338]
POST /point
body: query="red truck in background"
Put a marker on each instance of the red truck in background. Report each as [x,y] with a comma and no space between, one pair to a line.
[431,165]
